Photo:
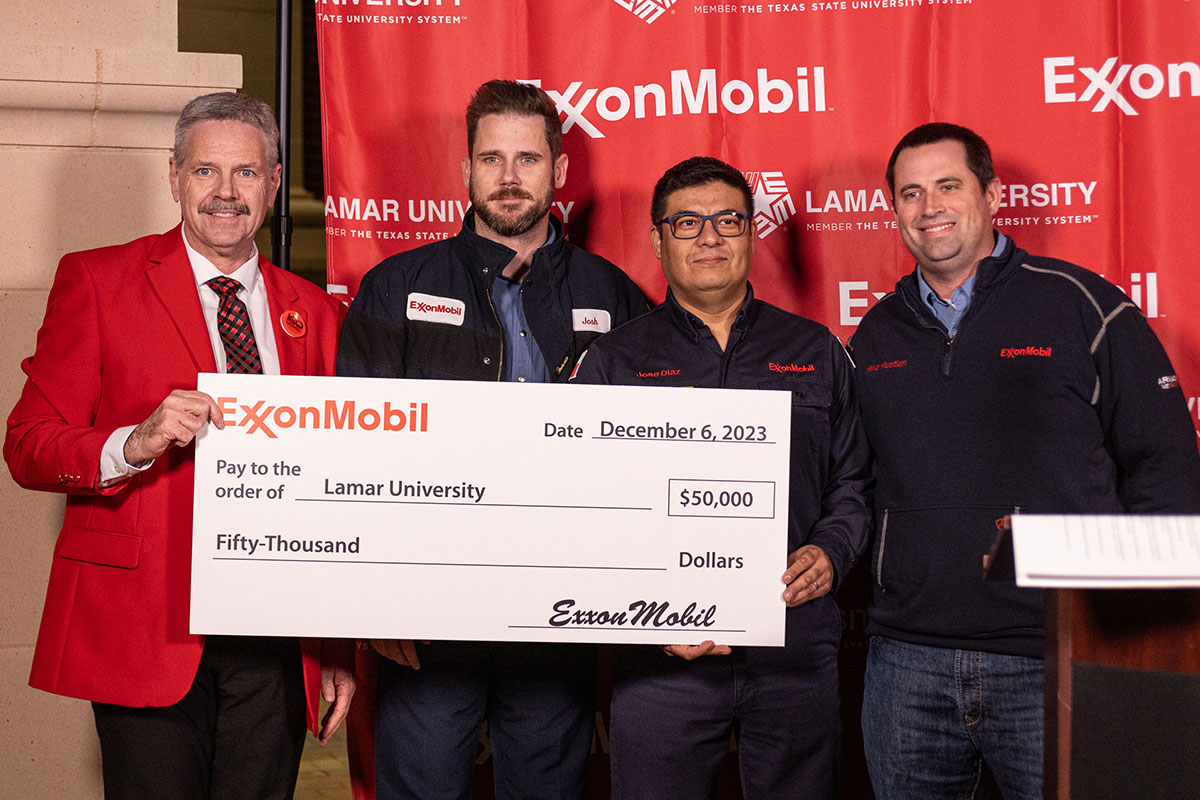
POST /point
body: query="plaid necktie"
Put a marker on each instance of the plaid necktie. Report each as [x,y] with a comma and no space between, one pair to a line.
[241,353]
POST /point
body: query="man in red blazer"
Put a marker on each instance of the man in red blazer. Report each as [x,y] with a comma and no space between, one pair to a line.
[107,416]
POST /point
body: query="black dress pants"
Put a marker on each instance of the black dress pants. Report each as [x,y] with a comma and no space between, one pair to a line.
[237,734]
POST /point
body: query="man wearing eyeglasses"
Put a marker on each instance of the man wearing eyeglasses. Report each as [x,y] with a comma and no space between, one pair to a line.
[674,708]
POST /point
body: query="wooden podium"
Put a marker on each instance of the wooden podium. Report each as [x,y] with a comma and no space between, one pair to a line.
[1122,669]
[1122,693]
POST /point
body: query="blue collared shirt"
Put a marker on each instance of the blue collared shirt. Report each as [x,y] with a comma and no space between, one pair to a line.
[523,361]
[950,312]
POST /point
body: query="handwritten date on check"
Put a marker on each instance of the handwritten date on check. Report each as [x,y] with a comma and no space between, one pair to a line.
[372,508]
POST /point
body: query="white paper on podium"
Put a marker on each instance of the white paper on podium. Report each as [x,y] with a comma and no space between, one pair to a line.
[1106,551]
[372,508]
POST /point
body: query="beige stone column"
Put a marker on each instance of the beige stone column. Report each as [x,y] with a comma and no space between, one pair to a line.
[89,91]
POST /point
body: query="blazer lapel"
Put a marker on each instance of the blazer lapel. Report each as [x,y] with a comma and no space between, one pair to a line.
[172,281]
[289,319]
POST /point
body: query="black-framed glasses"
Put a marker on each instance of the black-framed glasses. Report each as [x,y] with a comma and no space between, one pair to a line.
[689,225]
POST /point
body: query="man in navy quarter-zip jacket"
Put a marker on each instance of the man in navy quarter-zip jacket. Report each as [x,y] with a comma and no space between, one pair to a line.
[509,299]
[990,381]
[672,718]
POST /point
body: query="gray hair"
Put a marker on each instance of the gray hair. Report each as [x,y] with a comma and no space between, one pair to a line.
[228,106]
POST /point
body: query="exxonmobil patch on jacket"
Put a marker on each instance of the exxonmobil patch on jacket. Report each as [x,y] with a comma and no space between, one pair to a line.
[771,365]
[1031,350]
[596,320]
[430,308]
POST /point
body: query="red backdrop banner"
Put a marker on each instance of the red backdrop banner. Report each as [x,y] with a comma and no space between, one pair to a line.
[1091,107]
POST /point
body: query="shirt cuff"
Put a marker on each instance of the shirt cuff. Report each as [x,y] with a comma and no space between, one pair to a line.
[113,466]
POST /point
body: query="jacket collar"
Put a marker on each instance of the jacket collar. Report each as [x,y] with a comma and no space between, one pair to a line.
[171,280]
[290,320]
[991,271]
[486,258]
[695,328]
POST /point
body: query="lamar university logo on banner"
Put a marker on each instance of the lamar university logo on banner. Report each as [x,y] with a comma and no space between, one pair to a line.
[773,204]
[1108,85]
[649,10]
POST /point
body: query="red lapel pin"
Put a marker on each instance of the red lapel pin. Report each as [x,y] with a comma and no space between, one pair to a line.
[292,323]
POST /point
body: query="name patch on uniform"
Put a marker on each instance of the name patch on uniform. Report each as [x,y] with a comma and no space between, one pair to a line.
[591,319]
[428,308]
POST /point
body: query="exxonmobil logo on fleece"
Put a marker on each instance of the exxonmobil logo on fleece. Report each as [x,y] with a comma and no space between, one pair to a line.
[329,414]
[1109,82]
[1031,350]
[688,92]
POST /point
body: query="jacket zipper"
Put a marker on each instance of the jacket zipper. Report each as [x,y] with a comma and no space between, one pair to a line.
[882,544]
[947,341]
[499,367]
[495,316]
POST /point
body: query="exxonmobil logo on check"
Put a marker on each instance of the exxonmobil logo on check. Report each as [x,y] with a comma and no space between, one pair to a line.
[336,415]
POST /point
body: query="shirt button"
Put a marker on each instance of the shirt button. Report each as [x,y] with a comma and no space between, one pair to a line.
[522,333]
[487,359]
[485,270]
[521,379]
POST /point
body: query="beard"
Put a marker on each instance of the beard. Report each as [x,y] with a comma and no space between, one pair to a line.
[509,225]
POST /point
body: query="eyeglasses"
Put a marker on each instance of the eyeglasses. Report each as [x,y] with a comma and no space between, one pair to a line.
[689,225]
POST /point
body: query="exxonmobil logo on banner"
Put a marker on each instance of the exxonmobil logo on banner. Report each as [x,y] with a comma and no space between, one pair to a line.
[647,10]
[1109,83]
[692,91]
[338,415]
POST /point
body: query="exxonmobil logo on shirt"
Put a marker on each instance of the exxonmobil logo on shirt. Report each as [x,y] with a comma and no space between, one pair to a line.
[771,365]
[430,308]
[258,417]
[1017,352]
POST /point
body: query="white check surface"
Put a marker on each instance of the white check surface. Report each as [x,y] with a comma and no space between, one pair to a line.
[491,511]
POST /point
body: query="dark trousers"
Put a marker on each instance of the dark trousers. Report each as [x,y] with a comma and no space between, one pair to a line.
[538,700]
[236,735]
[672,721]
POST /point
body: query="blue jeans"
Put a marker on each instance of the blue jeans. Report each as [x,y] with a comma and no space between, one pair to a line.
[932,717]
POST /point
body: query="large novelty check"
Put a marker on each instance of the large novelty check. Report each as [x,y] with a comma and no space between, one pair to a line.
[363,508]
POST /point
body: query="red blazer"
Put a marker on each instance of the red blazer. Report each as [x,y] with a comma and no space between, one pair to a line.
[123,328]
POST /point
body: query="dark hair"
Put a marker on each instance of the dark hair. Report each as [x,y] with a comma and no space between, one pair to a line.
[697,171]
[979,157]
[232,106]
[511,97]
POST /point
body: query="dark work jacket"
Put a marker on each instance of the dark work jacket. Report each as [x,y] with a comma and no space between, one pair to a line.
[427,312]
[1054,396]
[768,348]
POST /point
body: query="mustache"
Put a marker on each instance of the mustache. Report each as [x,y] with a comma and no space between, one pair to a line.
[510,194]
[224,205]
